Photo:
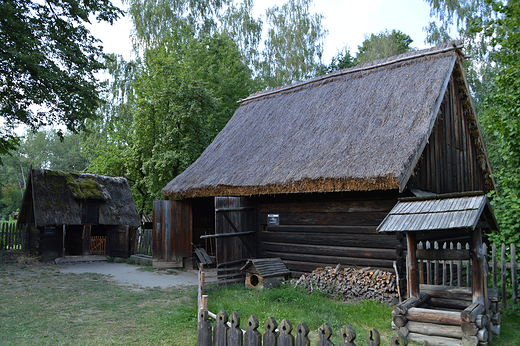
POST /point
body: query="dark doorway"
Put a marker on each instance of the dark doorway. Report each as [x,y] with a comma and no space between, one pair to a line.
[74,240]
[98,240]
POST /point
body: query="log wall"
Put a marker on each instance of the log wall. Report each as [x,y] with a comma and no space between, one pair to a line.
[318,230]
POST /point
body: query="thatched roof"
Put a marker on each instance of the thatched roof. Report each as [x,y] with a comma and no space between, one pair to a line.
[57,196]
[358,129]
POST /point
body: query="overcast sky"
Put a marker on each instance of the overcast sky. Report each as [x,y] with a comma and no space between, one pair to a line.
[346,20]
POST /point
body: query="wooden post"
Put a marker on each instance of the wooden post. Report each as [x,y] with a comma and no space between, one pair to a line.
[413,283]
[478,267]
[221,329]
[514,274]
[348,335]
[204,329]
[503,277]
[494,265]
[436,247]
[459,268]
[324,334]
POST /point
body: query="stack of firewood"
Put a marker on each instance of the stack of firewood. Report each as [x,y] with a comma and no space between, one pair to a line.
[351,283]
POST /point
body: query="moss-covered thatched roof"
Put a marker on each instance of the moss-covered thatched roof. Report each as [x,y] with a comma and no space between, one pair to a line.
[57,199]
[358,129]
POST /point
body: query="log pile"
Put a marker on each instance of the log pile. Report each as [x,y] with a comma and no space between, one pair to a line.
[351,283]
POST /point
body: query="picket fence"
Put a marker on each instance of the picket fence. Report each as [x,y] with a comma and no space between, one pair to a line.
[11,238]
[458,272]
[227,332]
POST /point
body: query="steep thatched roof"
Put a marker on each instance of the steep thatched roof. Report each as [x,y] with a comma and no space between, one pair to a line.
[57,196]
[358,129]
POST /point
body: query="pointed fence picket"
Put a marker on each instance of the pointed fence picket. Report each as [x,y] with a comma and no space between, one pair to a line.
[227,332]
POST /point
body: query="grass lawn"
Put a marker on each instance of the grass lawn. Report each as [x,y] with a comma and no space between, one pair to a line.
[41,306]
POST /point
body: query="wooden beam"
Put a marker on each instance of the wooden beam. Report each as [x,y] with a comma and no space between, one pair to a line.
[443,254]
[413,279]
[222,235]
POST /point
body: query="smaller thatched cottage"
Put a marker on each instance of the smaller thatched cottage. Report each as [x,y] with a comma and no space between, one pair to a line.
[70,214]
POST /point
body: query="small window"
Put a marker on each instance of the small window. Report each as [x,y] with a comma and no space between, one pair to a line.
[90,211]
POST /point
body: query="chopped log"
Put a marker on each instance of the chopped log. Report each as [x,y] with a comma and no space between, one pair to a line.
[469,340]
[482,321]
[469,328]
[451,318]
[435,329]
[496,319]
[471,312]
[400,321]
[434,340]
[483,335]
[402,308]
[495,329]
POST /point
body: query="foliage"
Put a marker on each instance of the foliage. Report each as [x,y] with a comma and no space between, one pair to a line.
[166,109]
[343,59]
[502,107]
[239,24]
[294,44]
[47,63]
[44,149]
[155,20]
[383,45]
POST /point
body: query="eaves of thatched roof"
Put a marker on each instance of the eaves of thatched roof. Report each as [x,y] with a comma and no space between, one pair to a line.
[358,129]
[54,198]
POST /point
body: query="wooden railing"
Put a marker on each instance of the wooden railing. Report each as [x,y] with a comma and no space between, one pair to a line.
[11,238]
[98,245]
[457,272]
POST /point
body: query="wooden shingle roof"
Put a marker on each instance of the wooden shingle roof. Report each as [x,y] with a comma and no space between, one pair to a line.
[441,212]
[266,267]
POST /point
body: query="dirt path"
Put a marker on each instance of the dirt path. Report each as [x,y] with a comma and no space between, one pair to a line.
[130,275]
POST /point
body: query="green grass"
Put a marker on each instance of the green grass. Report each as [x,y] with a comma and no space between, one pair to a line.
[41,306]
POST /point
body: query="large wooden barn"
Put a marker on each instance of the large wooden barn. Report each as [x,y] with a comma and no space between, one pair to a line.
[77,215]
[307,172]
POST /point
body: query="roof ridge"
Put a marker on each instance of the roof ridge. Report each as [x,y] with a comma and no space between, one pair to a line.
[452,45]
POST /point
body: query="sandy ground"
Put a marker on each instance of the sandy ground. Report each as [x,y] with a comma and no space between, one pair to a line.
[128,274]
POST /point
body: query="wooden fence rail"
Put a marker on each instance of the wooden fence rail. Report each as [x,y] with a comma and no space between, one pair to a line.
[11,238]
[227,332]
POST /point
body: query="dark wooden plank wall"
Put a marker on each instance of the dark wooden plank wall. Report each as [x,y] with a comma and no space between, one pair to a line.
[232,249]
[172,230]
[449,161]
[318,230]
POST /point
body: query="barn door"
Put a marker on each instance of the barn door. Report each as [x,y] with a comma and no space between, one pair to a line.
[118,241]
[234,235]
[172,233]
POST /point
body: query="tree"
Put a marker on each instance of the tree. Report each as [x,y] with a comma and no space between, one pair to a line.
[47,63]
[155,19]
[489,30]
[343,59]
[294,44]
[383,45]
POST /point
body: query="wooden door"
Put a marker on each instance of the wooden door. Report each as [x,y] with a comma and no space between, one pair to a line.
[234,235]
[118,241]
[172,233]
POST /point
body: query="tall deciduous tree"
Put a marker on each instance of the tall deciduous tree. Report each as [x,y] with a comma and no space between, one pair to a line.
[294,45]
[47,63]
[383,45]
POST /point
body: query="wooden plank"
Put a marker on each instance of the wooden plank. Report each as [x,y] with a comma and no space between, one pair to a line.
[380,241]
[342,251]
[339,219]
[323,229]
[451,254]
[236,234]
[331,260]
[224,209]
[413,283]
